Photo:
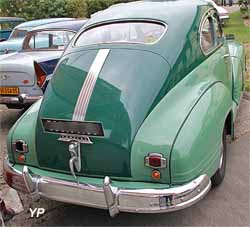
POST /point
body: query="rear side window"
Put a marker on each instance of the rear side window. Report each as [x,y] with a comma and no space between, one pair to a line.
[207,35]
[54,39]
[124,32]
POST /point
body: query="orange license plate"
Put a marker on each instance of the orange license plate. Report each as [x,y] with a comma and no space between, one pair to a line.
[9,90]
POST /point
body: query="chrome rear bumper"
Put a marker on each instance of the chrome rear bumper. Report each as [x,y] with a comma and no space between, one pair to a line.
[107,196]
[22,99]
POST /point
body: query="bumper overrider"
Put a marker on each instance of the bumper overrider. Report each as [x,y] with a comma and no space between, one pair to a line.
[107,196]
[22,99]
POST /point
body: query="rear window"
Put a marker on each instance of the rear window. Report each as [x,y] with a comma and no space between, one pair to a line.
[125,32]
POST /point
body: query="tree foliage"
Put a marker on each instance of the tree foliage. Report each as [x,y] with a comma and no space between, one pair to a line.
[36,9]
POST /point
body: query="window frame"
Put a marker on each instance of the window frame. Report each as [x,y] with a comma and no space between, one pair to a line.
[211,13]
[159,22]
[30,34]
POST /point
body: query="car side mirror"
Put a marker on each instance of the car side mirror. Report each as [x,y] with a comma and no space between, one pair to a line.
[230,37]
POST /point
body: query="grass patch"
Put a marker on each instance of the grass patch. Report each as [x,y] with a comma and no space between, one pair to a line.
[235,25]
[247,85]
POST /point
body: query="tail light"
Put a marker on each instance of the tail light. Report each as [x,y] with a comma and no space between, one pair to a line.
[155,160]
[40,74]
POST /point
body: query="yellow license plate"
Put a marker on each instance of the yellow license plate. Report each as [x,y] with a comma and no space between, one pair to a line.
[9,90]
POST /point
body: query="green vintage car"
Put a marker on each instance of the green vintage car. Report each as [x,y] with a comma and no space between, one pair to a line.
[136,116]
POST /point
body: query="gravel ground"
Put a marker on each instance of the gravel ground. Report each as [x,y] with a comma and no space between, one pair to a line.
[227,205]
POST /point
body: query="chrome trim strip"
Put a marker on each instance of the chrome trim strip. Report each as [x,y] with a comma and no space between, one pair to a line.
[88,85]
[107,196]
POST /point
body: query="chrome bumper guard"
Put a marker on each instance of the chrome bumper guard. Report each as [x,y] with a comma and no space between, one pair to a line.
[22,99]
[112,198]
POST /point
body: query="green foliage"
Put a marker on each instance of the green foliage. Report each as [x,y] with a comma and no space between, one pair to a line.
[235,25]
[76,8]
[37,9]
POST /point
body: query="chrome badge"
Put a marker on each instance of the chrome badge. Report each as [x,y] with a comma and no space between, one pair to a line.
[75,160]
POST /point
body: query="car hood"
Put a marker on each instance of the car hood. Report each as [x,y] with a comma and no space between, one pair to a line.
[128,85]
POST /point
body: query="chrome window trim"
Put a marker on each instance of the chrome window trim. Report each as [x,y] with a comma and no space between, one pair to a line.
[209,13]
[122,21]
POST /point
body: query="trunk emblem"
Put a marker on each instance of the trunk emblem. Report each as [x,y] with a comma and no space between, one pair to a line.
[75,160]
[77,138]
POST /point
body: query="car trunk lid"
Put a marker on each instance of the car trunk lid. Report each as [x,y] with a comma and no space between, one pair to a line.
[122,95]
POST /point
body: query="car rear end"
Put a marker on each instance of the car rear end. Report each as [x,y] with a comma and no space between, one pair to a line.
[18,84]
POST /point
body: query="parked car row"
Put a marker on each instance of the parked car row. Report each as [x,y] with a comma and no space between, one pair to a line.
[137,113]
[25,74]
[6,26]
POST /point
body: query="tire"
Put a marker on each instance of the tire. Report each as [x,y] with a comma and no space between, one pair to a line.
[219,175]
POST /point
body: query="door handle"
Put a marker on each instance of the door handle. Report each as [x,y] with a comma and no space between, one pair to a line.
[226,56]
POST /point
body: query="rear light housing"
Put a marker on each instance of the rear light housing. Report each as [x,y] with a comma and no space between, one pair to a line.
[40,74]
[20,146]
[155,160]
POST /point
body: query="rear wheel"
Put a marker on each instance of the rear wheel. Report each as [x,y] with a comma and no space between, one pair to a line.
[218,177]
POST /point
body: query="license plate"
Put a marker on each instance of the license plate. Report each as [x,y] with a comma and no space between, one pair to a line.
[9,90]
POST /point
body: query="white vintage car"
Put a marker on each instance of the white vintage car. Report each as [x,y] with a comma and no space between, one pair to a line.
[24,74]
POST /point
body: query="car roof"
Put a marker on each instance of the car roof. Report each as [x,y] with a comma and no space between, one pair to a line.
[73,25]
[182,18]
[163,10]
[34,23]
[11,19]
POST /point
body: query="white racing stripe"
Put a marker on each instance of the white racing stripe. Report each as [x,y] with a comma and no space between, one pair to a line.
[88,85]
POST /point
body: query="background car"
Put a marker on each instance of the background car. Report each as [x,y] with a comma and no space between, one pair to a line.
[6,26]
[223,13]
[15,40]
[137,113]
[24,74]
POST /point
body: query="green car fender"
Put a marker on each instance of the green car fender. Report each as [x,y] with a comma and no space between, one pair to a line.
[188,100]
[24,129]
[196,149]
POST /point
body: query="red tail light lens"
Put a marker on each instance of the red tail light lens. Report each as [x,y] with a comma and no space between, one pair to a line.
[40,74]
[155,160]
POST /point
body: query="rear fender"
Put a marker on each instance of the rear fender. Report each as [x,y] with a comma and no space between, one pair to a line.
[24,129]
[196,149]
[160,129]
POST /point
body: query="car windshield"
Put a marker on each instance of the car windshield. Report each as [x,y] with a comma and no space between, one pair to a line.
[18,33]
[47,40]
[123,32]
